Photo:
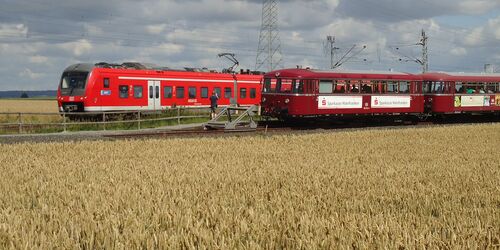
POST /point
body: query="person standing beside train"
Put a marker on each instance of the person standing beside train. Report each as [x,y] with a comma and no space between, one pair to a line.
[213,104]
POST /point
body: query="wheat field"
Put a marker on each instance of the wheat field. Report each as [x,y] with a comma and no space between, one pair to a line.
[28,106]
[436,187]
[48,107]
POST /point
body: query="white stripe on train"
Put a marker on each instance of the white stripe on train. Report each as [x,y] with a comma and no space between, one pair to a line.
[181,79]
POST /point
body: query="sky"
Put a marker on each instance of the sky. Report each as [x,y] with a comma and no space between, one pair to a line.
[40,38]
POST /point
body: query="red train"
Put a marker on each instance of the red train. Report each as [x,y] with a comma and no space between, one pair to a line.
[133,86]
[302,93]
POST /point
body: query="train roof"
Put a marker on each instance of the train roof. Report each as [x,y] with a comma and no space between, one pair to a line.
[311,73]
[81,67]
[455,76]
[87,67]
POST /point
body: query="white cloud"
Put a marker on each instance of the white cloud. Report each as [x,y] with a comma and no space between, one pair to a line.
[156,29]
[13,30]
[458,51]
[92,29]
[78,47]
[477,6]
[27,73]
[473,38]
[38,59]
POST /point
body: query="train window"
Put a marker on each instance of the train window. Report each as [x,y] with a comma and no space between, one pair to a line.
[243,93]
[123,91]
[404,87]
[354,87]
[253,93]
[180,92]
[297,86]
[492,88]
[137,91]
[192,92]
[325,87]
[427,87]
[285,86]
[204,92]
[377,86]
[310,86]
[470,88]
[227,93]
[339,86]
[106,82]
[392,87]
[366,86]
[269,85]
[438,87]
[167,92]
[459,88]
[278,86]
[217,91]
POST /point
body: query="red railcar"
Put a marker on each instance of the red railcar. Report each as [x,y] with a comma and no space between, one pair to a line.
[312,93]
[132,86]
[452,93]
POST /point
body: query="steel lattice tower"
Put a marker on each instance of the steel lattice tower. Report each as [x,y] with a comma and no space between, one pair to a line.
[269,55]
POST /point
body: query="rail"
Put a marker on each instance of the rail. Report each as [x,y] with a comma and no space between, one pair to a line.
[23,122]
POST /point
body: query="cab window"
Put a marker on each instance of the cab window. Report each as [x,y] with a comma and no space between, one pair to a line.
[269,85]
[285,86]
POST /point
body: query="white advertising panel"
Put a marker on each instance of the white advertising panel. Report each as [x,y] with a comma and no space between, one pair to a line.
[340,102]
[474,101]
[391,101]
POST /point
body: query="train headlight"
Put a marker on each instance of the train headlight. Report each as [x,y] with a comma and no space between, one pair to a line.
[263,99]
[287,101]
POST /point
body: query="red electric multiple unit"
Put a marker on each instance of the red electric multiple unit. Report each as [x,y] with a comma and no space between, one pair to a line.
[133,86]
[310,93]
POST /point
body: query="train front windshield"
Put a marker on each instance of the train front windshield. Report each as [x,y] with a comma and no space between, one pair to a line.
[73,83]
[272,85]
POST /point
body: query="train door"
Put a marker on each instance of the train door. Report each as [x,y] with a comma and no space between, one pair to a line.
[154,95]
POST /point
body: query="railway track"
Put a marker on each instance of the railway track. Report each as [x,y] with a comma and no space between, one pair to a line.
[279,128]
[264,128]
